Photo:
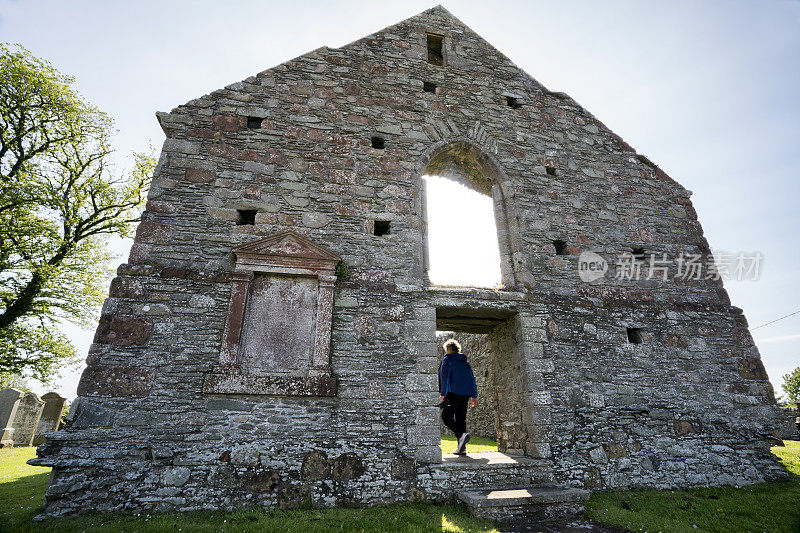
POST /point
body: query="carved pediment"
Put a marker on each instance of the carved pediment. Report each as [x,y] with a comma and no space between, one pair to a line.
[286,247]
[278,329]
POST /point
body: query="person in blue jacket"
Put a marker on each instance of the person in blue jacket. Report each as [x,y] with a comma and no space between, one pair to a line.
[456,387]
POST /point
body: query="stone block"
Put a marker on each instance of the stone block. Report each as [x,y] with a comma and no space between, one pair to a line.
[316,466]
[347,466]
[198,175]
[423,435]
[540,450]
[123,330]
[175,477]
[181,147]
[752,368]
[428,454]
[153,233]
[421,382]
[116,381]
[85,414]
[403,468]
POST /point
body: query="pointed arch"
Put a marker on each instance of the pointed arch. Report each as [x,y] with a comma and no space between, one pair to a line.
[466,162]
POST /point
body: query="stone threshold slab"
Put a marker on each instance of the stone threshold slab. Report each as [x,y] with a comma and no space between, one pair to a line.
[536,495]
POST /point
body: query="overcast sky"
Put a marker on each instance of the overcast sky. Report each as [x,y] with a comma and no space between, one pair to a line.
[707,90]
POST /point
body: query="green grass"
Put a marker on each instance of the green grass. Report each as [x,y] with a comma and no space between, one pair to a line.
[21,487]
[476,444]
[22,492]
[763,507]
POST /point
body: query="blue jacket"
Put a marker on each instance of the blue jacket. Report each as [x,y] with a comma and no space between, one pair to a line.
[455,375]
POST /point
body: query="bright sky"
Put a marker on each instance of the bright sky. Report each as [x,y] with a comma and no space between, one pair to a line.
[462,235]
[708,90]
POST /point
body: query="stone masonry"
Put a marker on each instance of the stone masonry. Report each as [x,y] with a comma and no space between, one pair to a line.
[271,340]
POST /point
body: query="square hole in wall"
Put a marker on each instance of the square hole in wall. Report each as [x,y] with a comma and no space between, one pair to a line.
[638,253]
[428,87]
[254,123]
[381,228]
[247,217]
[378,142]
[561,247]
[512,102]
[634,335]
[551,171]
[435,49]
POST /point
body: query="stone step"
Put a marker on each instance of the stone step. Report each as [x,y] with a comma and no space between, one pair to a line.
[493,469]
[536,502]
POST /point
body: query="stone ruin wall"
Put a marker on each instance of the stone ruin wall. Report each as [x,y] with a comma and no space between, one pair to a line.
[692,405]
[790,429]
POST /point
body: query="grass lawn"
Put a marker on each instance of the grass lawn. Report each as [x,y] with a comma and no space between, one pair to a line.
[476,444]
[22,491]
[765,507]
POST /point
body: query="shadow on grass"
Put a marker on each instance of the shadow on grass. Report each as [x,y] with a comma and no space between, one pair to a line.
[21,500]
[416,517]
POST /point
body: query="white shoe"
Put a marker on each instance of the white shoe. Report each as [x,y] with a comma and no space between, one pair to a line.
[462,444]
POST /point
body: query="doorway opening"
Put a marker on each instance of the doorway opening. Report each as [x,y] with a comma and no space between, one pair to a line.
[498,421]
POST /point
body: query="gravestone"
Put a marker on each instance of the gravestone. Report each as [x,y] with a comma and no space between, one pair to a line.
[51,416]
[9,403]
[27,419]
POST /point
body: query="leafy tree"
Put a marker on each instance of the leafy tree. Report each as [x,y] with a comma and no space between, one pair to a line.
[60,199]
[16,381]
[791,385]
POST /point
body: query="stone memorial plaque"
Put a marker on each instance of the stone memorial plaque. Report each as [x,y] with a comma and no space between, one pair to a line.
[278,330]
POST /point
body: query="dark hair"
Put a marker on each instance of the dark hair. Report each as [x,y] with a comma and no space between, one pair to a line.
[452,346]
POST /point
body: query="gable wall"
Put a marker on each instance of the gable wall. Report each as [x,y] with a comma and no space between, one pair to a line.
[310,169]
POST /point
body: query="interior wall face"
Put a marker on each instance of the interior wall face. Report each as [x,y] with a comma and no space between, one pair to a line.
[692,405]
[509,390]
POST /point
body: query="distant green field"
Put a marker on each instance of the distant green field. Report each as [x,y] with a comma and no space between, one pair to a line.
[476,444]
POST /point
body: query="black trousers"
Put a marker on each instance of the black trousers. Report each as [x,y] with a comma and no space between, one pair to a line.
[454,414]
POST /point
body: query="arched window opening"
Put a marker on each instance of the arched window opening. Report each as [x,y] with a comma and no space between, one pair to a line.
[462,235]
[470,238]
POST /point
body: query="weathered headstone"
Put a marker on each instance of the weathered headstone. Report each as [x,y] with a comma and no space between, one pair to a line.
[9,402]
[51,416]
[27,418]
